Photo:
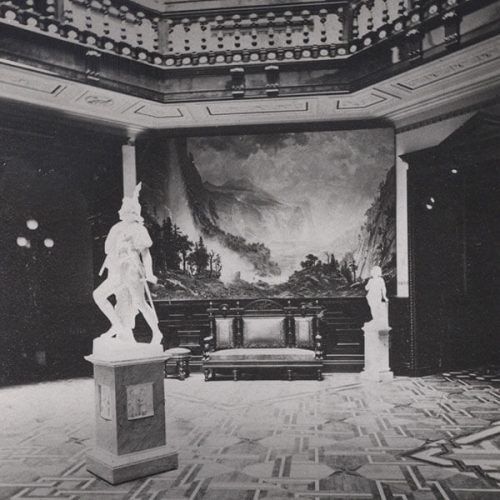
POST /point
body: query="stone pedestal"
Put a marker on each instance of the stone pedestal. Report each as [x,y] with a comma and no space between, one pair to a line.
[376,353]
[130,439]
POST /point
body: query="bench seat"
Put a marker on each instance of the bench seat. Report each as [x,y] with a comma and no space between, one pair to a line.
[263,354]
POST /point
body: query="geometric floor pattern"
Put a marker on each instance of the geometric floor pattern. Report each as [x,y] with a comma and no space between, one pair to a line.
[422,438]
[477,451]
[489,374]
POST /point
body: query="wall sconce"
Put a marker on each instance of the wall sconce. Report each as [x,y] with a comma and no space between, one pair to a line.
[23,242]
[429,203]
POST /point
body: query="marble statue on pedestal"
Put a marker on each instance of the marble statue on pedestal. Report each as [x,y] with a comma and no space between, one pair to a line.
[376,297]
[377,331]
[129,269]
[130,440]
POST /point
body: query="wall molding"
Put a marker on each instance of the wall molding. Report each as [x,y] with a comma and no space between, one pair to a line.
[451,114]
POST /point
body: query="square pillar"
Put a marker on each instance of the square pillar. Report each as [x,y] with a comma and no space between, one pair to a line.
[402,228]
[129,168]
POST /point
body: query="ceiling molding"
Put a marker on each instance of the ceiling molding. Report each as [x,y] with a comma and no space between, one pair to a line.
[459,80]
[447,116]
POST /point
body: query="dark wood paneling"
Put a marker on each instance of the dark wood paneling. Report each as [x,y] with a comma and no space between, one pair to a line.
[453,221]
[400,340]
[185,323]
[69,180]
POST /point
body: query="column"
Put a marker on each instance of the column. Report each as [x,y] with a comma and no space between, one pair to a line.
[401,227]
[129,167]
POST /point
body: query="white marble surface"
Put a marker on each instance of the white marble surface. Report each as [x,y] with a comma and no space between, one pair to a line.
[377,367]
[129,268]
[114,350]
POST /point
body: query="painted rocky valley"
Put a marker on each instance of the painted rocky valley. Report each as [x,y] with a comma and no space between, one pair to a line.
[276,215]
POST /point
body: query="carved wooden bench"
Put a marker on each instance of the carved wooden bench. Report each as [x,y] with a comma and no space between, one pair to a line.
[263,335]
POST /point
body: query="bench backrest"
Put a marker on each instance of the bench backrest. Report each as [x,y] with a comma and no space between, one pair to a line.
[263,323]
[264,332]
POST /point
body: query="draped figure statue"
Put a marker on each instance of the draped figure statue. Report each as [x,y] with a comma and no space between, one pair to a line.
[129,269]
[376,296]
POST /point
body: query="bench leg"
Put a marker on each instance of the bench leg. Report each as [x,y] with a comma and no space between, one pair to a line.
[207,373]
[290,374]
[319,374]
[235,375]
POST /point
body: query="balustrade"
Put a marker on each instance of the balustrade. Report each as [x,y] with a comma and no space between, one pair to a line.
[316,30]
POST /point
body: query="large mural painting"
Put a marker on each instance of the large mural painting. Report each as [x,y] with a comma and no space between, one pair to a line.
[276,215]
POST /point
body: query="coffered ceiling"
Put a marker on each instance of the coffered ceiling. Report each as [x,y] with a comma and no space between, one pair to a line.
[457,81]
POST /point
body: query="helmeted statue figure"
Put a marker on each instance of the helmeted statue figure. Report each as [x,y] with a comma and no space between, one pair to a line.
[129,267]
[376,296]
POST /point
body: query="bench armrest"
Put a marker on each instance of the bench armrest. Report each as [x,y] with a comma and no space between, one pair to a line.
[318,346]
[208,346]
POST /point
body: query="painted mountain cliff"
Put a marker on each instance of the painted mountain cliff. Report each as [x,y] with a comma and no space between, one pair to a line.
[377,238]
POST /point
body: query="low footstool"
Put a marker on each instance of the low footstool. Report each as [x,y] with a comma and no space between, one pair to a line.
[181,356]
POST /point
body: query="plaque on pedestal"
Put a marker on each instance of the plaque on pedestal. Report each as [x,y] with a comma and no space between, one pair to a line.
[130,440]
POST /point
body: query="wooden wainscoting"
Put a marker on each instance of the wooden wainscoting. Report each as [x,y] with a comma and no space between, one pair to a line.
[185,323]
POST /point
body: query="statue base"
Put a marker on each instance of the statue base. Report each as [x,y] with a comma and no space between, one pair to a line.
[117,469]
[130,440]
[112,349]
[376,353]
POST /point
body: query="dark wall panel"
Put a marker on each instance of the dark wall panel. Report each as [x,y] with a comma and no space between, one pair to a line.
[68,180]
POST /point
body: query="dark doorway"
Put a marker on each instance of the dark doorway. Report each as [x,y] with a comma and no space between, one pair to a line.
[453,215]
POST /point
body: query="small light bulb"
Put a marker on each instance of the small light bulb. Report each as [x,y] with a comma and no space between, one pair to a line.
[22,241]
[32,224]
[432,200]
[48,242]
[428,206]
[454,171]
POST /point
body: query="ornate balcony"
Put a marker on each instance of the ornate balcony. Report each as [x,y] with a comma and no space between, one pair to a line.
[290,33]
[286,49]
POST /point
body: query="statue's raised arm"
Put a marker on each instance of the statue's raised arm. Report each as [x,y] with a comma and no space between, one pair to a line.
[129,267]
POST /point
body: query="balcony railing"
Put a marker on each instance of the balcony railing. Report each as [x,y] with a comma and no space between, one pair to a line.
[295,32]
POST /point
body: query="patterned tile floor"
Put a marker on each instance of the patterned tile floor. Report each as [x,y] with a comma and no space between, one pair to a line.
[427,438]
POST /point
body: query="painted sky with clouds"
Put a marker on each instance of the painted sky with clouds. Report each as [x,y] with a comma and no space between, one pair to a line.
[336,174]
